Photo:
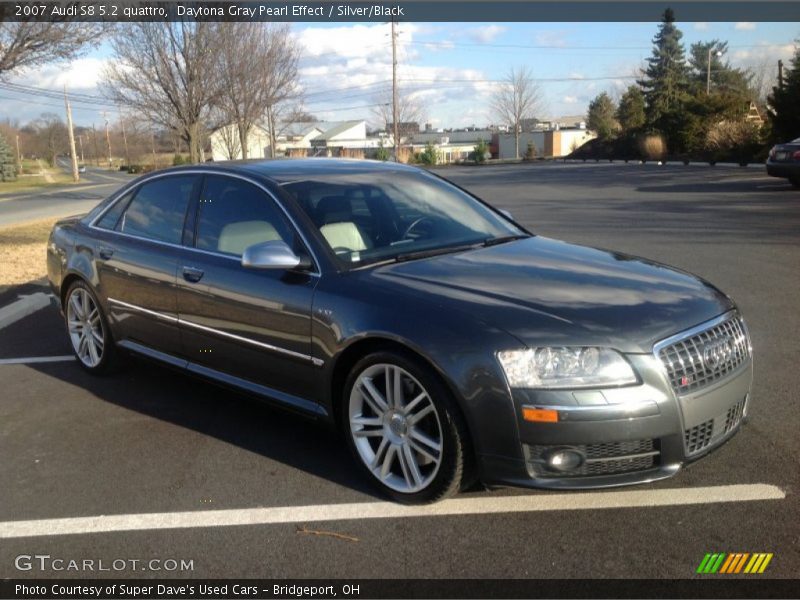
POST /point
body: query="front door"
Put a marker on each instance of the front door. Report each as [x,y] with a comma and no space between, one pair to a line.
[251,324]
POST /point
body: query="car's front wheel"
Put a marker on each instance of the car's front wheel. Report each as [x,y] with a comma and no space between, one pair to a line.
[404,428]
[88,329]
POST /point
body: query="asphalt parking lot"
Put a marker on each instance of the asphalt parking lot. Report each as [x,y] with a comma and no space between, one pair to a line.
[150,441]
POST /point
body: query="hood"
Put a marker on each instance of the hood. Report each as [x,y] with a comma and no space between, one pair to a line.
[547,292]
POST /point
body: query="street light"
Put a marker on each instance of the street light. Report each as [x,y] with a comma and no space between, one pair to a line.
[708,74]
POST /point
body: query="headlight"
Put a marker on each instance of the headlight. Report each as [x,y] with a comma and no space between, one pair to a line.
[566,368]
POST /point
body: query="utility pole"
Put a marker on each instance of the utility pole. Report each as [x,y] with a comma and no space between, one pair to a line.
[394,94]
[19,157]
[708,72]
[80,139]
[153,142]
[780,74]
[73,155]
[108,139]
[124,138]
[96,150]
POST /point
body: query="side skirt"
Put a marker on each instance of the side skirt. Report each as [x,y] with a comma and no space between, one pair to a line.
[305,407]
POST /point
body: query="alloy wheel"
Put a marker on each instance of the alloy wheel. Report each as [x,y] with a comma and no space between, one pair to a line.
[85,327]
[395,428]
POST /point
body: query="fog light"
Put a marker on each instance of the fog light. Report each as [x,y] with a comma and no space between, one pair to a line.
[563,459]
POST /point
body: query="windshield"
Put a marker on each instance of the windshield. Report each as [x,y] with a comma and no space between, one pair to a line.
[374,217]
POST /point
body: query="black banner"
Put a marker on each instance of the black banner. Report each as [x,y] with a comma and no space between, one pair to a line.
[404,10]
[749,586]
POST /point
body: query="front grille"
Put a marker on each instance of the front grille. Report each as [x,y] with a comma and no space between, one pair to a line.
[734,416]
[601,459]
[699,436]
[705,357]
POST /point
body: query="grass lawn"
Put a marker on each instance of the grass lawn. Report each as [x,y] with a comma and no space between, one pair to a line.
[32,182]
[24,248]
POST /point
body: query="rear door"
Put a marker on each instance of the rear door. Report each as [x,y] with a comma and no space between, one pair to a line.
[137,242]
[251,324]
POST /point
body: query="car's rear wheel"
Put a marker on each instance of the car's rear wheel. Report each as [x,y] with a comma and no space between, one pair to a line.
[404,428]
[88,329]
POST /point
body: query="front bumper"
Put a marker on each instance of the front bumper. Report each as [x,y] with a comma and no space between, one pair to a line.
[627,435]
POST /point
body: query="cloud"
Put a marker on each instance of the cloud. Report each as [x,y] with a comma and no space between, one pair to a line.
[570,100]
[551,37]
[701,26]
[745,26]
[79,75]
[485,34]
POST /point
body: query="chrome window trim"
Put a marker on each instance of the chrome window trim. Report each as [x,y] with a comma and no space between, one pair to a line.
[92,224]
[179,321]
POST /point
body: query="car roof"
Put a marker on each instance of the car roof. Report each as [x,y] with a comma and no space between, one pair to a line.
[292,169]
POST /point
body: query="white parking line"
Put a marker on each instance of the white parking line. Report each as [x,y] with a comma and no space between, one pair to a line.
[36,359]
[22,307]
[387,510]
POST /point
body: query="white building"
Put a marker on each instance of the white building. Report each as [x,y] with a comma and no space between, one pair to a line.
[294,139]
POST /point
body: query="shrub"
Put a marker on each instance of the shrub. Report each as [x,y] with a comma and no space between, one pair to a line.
[382,153]
[530,151]
[736,141]
[179,160]
[429,156]
[480,152]
[653,147]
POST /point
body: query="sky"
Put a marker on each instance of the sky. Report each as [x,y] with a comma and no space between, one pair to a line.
[449,68]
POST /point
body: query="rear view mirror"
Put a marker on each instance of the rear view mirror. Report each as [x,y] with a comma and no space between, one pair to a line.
[273,255]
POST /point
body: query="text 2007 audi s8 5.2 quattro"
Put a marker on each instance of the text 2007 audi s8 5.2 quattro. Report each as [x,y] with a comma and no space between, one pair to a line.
[446,341]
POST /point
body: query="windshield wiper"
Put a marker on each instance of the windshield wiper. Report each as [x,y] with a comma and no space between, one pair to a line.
[434,252]
[503,239]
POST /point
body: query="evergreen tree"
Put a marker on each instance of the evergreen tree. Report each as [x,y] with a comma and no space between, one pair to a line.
[666,77]
[8,163]
[724,78]
[785,102]
[630,113]
[601,116]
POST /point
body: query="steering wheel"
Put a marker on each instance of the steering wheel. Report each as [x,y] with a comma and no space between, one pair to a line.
[413,225]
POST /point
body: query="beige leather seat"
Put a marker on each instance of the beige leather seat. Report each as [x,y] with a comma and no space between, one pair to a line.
[344,235]
[235,237]
[335,214]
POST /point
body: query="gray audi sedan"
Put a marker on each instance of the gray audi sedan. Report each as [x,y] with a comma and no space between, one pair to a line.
[447,342]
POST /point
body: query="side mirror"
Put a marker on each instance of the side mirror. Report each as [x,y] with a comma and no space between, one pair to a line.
[273,255]
[506,213]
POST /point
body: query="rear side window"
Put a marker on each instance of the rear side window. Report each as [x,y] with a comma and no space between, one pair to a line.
[235,214]
[111,217]
[158,209]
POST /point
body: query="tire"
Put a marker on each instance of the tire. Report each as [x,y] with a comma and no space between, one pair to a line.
[96,353]
[795,181]
[397,447]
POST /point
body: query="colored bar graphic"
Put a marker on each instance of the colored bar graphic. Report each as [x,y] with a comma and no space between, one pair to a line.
[702,567]
[732,563]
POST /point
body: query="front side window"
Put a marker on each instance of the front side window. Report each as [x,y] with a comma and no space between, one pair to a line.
[373,217]
[234,215]
[158,209]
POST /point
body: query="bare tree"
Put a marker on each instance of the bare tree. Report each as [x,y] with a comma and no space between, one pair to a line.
[50,136]
[409,109]
[168,73]
[30,44]
[518,97]
[258,73]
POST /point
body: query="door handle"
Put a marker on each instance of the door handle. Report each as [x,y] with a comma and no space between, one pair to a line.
[105,253]
[192,275]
